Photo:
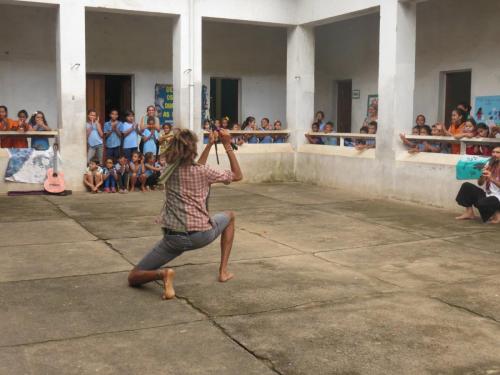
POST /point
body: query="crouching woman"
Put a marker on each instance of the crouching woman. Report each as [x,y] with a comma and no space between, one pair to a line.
[485,198]
[185,219]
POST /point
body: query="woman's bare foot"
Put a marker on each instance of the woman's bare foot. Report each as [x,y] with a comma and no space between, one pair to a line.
[225,276]
[168,283]
[495,219]
[466,216]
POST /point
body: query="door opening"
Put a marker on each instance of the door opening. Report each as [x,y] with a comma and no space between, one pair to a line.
[107,92]
[344,106]
[224,98]
[458,90]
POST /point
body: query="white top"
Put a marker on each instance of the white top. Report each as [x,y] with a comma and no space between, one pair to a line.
[494,191]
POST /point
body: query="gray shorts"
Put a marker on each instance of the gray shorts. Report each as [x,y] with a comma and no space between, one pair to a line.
[171,246]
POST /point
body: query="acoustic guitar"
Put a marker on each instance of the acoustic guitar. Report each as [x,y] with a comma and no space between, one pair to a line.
[54,183]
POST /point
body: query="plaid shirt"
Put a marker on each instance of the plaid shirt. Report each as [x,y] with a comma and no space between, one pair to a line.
[187,189]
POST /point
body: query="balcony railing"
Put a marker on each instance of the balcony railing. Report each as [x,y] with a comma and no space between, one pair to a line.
[463,141]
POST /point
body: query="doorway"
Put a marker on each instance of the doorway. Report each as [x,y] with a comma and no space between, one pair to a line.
[344,106]
[108,91]
[458,90]
[224,98]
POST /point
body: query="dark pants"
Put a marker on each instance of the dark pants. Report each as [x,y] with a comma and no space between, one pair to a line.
[152,180]
[127,152]
[471,195]
[123,181]
[113,153]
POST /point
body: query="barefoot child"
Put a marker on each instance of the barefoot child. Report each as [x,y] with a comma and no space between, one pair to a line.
[187,184]
[136,166]
[150,137]
[113,136]
[93,176]
[151,170]
[122,169]
[109,177]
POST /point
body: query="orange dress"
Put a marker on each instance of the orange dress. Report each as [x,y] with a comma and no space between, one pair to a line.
[454,129]
[12,142]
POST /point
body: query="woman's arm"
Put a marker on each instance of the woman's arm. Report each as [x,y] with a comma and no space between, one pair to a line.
[233,162]
[206,151]
[99,129]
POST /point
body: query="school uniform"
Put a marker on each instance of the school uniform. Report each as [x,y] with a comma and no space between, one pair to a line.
[130,141]
[122,174]
[113,141]
[151,144]
[94,141]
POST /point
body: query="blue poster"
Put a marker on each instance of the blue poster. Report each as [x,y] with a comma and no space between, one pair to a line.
[164,102]
[487,109]
[470,167]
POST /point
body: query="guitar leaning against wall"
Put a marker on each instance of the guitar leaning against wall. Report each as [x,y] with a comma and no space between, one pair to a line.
[54,183]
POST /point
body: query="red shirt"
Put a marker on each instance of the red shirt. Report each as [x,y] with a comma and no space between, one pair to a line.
[12,141]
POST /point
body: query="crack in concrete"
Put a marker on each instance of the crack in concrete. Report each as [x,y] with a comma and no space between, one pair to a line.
[272,240]
[268,362]
[466,309]
[97,334]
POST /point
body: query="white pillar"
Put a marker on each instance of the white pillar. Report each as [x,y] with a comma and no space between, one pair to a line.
[197,67]
[181,70]
[299,82]
[396,74]
[71,81]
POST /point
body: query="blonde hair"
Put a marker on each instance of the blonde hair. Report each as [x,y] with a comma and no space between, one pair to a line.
[182,147]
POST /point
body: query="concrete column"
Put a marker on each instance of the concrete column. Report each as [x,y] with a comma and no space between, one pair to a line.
[181,69]
[197,66]
[396,74]
[71,82]
[299,82]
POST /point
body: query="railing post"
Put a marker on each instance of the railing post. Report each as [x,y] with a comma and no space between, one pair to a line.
[341,140]
[463,147]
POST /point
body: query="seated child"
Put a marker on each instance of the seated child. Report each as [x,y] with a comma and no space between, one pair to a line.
[137,176]
[483,131]
[331,141]
[93,176]
[122,169]
[109,177]
[152,170]
[314,140]
[369,143]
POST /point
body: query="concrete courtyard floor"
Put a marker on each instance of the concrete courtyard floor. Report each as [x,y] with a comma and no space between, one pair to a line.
[327,282]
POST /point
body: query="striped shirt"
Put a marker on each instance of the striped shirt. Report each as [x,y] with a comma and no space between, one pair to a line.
[187,190]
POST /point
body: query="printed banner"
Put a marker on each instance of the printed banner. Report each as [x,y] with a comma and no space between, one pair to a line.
[470,167]
[28,165]
[164,102]
[487,110]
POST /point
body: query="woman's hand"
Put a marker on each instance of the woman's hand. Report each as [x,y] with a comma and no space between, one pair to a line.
[225,137]
[212,137]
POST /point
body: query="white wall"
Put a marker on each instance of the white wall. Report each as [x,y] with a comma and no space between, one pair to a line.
[456,35]
[256,55]
[27,60]
[131,44]
[347,50]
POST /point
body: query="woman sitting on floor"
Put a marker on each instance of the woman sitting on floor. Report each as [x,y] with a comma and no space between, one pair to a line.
[486,200]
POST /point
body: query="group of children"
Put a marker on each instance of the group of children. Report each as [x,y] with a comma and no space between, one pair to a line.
[462,126]
[250,124]
[328,128]
[24,123]
[132,151]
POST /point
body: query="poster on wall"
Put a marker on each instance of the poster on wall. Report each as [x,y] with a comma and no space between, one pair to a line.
[487,109]
[372,103]
[164,102]
[28,165]
[205,109]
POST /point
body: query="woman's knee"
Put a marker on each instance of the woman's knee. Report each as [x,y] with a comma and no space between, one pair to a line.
[132,281]
[231,215]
